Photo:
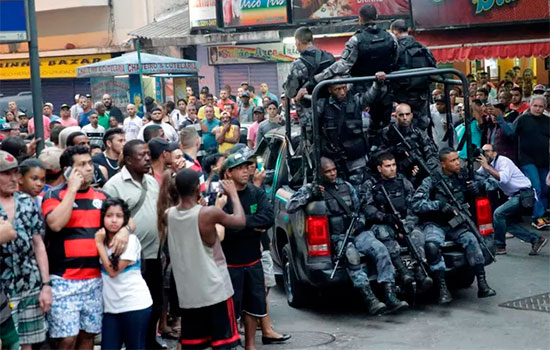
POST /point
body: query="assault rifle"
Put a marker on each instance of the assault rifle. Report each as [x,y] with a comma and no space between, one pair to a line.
[462,211]
[401,229]
[351,228]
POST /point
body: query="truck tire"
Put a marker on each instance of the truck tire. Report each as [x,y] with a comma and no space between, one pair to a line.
[462,278]
[296,292]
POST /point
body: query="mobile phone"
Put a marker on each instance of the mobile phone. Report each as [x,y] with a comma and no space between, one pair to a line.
[216,187]
[68,172]
[259,163]
[459,99]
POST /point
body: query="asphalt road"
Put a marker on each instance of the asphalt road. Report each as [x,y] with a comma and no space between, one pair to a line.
[339,322]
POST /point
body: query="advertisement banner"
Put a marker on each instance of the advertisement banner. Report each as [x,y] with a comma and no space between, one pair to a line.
[189,67]
[202,13]
[50,67]
[461,13]
[117,87]
[249,13]
[261,53]
[310,10]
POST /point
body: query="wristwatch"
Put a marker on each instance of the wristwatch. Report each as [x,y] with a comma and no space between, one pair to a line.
[129,228]
[49,283]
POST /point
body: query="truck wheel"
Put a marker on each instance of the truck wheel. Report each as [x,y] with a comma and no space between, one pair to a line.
[462,278]
[296,292]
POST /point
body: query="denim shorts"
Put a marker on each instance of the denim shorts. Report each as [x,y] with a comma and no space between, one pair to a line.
[77,305]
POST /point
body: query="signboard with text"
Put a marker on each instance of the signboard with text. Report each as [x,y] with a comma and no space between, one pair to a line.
[13,21]
[311,10]
[202,14]
[276,52]
[50,67]
[250,13]
[461,13]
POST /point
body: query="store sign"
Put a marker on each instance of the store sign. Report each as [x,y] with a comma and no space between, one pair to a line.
[50,67]
[189,67]
[277,52]
[202,13]
[309,10]
[249,13]
[454,13]
[13,21]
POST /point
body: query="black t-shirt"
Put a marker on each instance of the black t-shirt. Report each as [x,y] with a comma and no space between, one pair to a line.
[111,164]
[243,246]
[533,136]
[117,113]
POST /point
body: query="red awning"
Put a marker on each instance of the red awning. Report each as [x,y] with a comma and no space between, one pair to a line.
[528,40]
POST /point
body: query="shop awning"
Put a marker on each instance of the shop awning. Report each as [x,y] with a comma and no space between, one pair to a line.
[528,40]
[175,26]
[128,64]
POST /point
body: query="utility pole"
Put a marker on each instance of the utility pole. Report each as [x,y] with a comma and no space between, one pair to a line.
[36,86]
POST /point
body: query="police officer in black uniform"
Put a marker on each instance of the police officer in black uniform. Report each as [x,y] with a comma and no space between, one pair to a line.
[433,204]
[413,91]
[423,146]
[380,213]
[343,138]
[300,80]
[368,51]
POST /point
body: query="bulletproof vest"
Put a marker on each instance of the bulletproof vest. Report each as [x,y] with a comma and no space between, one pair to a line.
[337,217]
[396,190]
[316,61]
[342,130]
[412,55]
[457,184]
[377,51]
[412,136]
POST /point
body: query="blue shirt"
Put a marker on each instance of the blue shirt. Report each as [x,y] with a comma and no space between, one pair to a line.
[83,118]
[476,137]
[209,139]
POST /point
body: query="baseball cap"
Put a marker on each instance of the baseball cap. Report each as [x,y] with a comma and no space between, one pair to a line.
[50,158]
[49,104]
[259,109]
[5,127]
[245,94]
[7,161]
[244,83]
[65,106]
[539,87]
[159,145]
[235,160]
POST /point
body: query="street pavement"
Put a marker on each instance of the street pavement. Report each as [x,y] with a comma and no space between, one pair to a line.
[339,321]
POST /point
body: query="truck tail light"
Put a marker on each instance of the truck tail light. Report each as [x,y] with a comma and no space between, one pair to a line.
[484,216]
[318,237]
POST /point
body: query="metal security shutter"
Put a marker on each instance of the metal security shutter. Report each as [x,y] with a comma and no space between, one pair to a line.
[13,87]
[254,74]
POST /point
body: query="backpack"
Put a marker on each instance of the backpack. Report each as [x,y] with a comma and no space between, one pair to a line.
[315,62]
[377,52]
[416,55]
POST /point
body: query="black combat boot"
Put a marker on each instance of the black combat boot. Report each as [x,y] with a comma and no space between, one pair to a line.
[483,289]
[374,306]
[406,276]
[444,294]
[423,281]
[392,302]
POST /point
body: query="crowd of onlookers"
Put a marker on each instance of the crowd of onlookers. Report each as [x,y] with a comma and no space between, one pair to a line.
[81,251]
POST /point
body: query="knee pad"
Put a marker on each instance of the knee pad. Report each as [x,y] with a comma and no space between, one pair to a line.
[433,254]
[352,255]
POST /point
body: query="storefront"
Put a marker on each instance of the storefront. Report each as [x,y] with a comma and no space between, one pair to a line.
[59,81]
[255,64]
[488,35]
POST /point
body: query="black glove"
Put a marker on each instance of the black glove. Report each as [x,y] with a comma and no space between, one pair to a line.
[473,188]
[448,209]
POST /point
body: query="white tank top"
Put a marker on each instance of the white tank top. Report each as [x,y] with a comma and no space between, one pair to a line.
[200,271]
